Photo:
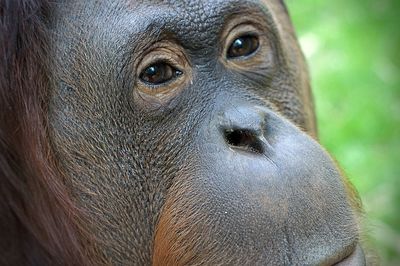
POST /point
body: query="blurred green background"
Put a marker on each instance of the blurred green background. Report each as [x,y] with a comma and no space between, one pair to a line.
[353,50]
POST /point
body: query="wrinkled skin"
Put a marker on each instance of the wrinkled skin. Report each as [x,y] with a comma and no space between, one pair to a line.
[217,166]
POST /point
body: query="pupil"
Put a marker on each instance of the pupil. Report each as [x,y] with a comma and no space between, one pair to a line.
[151,71]
[238,44]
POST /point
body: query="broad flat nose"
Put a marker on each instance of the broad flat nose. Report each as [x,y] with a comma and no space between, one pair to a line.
[269,165]
[243,128]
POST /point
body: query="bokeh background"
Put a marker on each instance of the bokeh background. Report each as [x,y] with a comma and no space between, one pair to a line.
[353,50]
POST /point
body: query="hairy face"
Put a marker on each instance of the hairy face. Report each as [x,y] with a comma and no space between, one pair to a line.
[183,129]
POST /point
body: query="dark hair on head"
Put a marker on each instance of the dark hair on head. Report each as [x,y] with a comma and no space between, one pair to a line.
[39,224]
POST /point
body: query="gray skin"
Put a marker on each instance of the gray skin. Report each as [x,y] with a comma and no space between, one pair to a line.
[226,171]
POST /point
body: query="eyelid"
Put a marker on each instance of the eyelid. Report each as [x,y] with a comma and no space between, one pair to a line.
[158,51]
[243,28]
[240,29]
[261,59]
[157,59]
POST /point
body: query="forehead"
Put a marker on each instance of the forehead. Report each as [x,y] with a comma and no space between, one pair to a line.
[184,14]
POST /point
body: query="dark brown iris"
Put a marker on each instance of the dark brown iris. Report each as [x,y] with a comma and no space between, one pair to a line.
[159,73]
[243,46]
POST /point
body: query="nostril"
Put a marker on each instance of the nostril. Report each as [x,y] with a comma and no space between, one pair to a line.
[243,139]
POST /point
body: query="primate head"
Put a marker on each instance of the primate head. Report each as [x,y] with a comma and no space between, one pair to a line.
[165,133]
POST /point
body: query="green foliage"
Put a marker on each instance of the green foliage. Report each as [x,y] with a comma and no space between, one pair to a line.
[353,49]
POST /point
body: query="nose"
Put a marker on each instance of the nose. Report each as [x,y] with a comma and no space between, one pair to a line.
[271,158]
[244,128]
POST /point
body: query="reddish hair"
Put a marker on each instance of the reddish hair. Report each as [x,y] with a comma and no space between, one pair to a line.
[39,224]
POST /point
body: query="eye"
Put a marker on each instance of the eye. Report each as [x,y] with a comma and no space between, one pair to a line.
[243,46]
[159,73]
